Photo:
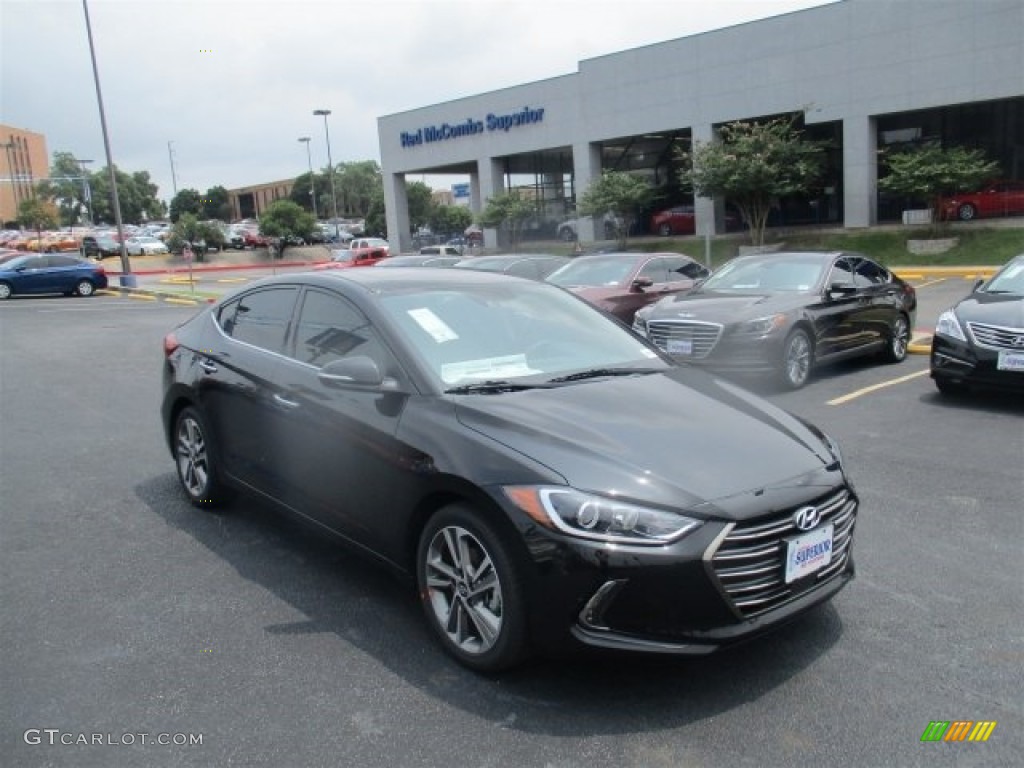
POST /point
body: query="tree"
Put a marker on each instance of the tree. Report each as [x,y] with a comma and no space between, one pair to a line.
[66,188]
[286,220]
[450,219]
[355,187]
[375,221]
[216,204]
[508,210]
[420,199]
[38,214]
[928,171]
[616,197]
[753,165]
[189,229]
[136,193]
[300,192]
[186,201]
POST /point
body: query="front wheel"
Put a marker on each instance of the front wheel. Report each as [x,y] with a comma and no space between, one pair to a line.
[85,288]
[5,291]
[470,590]
[797,359]
[899,339]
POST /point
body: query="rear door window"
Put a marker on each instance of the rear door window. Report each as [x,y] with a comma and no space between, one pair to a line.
[260,318]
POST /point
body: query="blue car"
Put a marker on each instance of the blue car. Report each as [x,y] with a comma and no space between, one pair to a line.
[51,273]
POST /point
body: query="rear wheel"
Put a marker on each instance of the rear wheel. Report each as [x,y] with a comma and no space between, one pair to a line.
[5,291]
[470,590]
[196,460]
[899,339]
[797,359]
[85,288]
[966,212]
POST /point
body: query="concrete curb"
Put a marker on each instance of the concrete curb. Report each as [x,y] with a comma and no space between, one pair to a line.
[144,294]
[920,344]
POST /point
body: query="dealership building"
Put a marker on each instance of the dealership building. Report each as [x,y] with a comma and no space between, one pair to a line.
[862,75]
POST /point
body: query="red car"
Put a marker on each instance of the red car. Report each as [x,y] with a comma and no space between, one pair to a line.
[997,198]
[621,283]
[355,257]
[680,220]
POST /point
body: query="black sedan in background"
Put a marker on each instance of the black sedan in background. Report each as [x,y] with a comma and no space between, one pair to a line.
[980,341]
[782,314]
[535,266]
[542,474]
[51,273]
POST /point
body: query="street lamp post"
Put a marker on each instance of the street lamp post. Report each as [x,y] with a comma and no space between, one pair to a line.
[86,190]
[128,280]
[312,187]
[330,168]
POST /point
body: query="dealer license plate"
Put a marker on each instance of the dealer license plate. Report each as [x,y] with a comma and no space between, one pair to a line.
[680,346]
[808,553]
[1010,361]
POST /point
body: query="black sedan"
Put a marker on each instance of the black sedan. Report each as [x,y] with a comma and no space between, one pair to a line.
[980,341]
[51,273]
[785,313]
[544,476]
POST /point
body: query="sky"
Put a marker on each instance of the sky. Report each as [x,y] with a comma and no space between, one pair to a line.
[232,84]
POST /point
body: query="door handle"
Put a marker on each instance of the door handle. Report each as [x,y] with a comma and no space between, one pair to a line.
[281,400]
[207,366]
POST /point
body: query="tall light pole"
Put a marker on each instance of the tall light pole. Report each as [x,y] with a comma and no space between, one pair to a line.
[312,191]
[174,178]
[86,190]
[330,167]
[127,278]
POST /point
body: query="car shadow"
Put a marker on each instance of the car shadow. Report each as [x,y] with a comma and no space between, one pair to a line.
[587,693]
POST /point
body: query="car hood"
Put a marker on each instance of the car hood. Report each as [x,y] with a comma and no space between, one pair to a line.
[993,308]
[726,307]
[611,436]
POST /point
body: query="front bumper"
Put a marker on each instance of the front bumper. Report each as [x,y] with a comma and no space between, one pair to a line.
[723,584]
[966,364]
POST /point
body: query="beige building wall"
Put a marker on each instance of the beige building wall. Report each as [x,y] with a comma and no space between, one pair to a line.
[23,161]
[250,202]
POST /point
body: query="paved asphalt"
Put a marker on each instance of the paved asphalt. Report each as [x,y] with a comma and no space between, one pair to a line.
[126,611]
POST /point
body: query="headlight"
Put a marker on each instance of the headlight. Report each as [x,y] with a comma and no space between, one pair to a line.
[639,325]
[948,325]
[598,517]
[762,326]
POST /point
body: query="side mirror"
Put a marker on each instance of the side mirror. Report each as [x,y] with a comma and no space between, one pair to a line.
[356,371]
[977,284]
[838,290]
[640,283]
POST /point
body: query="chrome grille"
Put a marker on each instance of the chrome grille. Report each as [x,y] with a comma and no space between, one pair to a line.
[997,337]
[750,561]
[703,336]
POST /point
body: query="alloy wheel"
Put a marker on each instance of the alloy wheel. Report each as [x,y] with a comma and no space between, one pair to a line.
[464,590]
[193,462]
[796,362]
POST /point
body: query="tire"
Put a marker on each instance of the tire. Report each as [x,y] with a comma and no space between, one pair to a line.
[5,291]
[797,360]
[665,230]
[483,627]
[899,339]
[966,212]
[85,288]
[566,234]
[950,388]
[196,461]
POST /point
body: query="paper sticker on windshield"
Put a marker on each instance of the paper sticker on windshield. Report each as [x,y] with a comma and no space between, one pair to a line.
[433,325]
[508,366]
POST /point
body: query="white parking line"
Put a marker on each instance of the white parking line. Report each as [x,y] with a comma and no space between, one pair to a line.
[875,387]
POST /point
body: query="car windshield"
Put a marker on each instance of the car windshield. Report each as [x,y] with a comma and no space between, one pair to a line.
[799,273]
[1009,280]
[593,272]
[511,332]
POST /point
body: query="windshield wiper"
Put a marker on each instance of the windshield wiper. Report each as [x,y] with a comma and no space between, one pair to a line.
[597,373]
[494,386]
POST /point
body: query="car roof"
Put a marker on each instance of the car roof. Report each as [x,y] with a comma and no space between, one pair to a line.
[389,281]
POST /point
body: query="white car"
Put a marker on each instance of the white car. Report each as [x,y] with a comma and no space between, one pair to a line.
[144,245]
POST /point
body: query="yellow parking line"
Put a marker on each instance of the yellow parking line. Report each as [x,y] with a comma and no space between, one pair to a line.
[232,279]
[874,387]
[186,302]
[141,296]
[105,292]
